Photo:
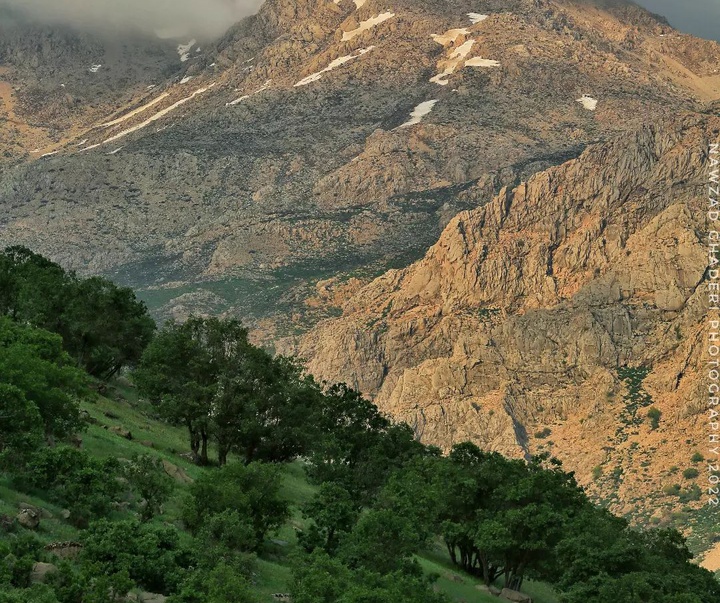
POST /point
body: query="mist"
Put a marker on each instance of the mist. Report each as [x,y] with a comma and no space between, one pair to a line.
[201,18]
[698,17]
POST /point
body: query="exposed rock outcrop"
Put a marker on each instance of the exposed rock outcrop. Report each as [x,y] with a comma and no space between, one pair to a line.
[514,330]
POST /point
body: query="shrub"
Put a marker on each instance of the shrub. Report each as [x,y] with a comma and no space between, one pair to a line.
[597,472]
[253,491]
[697,458]
[148,479]
[654,416]
[690,473]
[543,433]
[74,479]
[149,555]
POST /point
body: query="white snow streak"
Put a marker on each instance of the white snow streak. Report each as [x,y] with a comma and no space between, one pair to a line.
[184,49]
[419,112]
[449,36]
[49,154]
[265,86]
[457,56]
[115,151]
[588,102]
[367,24]
[186,79]
[95,68]
[476,17]
[119,120]
[480,62]
[336,63]
[157,116]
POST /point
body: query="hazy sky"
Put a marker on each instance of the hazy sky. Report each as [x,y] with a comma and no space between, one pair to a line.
[698,17]
[210,17]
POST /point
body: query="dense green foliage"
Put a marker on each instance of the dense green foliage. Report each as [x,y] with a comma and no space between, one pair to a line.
[206,375]
[43,381]
[374,499]
[103,326]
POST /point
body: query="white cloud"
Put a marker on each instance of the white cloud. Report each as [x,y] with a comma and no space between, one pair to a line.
[201,17]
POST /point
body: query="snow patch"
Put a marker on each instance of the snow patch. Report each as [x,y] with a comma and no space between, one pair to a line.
[92,146]
[265,86]
[158,115]
[336,63]
[115,151]
[145,107]
[477,18]
[184,49]
[186,79]
[367,24]
[588,102]
[95,68]
[79,144]
[419,112]
[359,3]
[480,62]
[456,58]
[449,36]
[49,154]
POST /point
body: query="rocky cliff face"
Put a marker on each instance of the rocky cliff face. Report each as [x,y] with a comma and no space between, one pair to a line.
[319,138]
[553,318]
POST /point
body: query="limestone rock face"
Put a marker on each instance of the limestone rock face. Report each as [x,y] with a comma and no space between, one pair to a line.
[518,326]
[284,154]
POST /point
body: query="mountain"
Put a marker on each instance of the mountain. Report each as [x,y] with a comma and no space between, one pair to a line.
[549,153]
[554,318]
[287,152]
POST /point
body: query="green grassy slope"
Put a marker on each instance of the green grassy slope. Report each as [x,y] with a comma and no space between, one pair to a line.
[120,407]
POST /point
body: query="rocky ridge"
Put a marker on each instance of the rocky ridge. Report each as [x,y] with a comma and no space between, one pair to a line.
[282,155]
[553,318]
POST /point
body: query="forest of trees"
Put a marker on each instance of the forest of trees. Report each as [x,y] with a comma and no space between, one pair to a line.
[381,497]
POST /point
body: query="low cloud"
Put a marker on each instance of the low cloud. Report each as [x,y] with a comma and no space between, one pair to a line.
[698,17]
[198,17]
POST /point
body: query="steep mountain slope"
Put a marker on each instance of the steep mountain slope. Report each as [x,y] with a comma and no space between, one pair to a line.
[553,318]
[322,137]
[56,81]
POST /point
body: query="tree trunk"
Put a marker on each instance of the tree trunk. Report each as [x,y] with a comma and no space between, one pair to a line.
[204,447]
[222,454]
[194,439]
[250,453]
[485,570]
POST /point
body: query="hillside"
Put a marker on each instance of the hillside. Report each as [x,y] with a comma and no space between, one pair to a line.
[553,319]
[120,408]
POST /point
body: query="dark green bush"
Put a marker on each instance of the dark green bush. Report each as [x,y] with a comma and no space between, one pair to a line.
[72,478]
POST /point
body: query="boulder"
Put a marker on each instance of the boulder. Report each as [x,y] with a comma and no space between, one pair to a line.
[177,473]
[515,596]
[148,444]
[122,432]
[28,518]
[40,571]
[43,513]
[145,597]
[64,550]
